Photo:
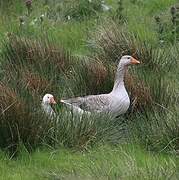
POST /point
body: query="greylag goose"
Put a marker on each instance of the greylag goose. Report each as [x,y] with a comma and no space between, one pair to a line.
[116,102]
[47,101]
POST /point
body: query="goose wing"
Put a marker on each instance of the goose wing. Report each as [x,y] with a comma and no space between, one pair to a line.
[93,103]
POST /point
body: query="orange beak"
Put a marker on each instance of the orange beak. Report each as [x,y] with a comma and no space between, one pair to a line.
[52,101]
[134,61]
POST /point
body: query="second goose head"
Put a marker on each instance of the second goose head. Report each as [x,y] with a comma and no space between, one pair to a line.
[128,60]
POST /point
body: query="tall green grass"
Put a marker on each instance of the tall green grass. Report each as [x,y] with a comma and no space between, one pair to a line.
[79,57]
[75,58]
[31,68]
[150,85]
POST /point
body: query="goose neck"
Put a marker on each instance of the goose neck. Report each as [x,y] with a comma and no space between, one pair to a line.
[119,79]
[47,108]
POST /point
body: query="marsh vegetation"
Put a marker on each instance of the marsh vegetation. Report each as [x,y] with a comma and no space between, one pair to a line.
[71,48]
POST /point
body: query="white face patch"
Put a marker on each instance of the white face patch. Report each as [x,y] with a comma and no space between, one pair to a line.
[125,60]
[46,98]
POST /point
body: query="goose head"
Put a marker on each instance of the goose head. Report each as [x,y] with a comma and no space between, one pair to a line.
[128,60]
[48,99]
[124,62]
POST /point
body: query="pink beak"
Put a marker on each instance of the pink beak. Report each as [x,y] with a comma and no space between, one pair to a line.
[52,101]
[134,61]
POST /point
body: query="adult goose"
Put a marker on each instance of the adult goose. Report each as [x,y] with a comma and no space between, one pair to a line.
[47,101]
[116,102]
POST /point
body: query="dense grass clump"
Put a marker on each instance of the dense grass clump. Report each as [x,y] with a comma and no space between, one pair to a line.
[112,41]
[21,121]
[33,68]
[152,91]
[71,48]
[82,9]
[72,10]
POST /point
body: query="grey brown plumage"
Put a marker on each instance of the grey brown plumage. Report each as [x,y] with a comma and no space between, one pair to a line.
[92,103]
[116,102]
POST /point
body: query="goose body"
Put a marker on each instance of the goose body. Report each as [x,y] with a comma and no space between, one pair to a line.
[116,102]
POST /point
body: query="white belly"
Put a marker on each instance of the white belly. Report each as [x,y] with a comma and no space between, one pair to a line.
[120,104]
